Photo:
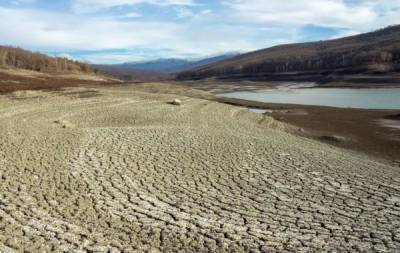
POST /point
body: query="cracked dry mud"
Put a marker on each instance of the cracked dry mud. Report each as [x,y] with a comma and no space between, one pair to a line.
[124,171]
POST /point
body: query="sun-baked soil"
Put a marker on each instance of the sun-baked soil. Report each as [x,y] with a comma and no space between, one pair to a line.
[121,169]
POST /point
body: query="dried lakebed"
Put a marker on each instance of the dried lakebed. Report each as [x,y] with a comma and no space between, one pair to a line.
[125,171]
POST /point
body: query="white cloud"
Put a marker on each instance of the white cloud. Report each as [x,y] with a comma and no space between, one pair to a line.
[345,33]
[65,55]
[130,15]
[60,31]
[361,15]
[184,12]
[21,2]
[243,26]
[88,6]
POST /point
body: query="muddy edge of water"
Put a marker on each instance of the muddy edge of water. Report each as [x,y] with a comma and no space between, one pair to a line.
[356,129]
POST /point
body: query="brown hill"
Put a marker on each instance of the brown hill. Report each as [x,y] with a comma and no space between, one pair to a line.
[370,54]
[22,59]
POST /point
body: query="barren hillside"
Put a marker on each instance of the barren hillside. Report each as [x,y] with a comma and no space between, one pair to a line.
[374,53]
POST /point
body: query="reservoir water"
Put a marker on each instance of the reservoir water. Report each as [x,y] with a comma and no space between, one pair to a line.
[383,98]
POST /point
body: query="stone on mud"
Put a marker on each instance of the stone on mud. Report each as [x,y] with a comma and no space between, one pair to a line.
[176,102]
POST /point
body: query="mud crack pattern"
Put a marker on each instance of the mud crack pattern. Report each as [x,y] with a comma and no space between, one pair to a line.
[127,172]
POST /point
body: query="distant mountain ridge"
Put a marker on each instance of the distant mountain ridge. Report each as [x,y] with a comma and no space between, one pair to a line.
[129,74]
[174,65]
[160,69]
[160,65]
[371,53]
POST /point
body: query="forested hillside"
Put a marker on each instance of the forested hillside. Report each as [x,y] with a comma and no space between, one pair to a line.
[22,59]
[370,53]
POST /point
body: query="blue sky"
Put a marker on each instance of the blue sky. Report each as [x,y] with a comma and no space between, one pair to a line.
[114,31]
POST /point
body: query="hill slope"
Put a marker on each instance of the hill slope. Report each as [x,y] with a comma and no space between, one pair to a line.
[160,65]
[22,59]
[130,74]
[175,65]
[370,53]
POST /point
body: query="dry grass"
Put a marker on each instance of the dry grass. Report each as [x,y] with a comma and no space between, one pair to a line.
[18,79]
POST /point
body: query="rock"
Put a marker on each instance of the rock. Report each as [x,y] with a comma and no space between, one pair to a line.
[63,123]
[176,102]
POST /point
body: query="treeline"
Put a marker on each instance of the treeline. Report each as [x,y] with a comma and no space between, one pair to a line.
[19,58]
[347,62]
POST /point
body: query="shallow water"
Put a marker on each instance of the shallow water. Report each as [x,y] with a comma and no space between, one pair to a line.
[390,123]
[260,110]
[383,98]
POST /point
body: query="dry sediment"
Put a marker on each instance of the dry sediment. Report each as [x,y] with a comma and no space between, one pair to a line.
[126,171]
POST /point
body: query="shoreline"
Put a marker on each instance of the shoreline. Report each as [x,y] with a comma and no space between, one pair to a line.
[362,130]
[228,86]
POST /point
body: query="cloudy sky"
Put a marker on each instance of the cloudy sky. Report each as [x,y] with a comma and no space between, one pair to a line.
[113,31]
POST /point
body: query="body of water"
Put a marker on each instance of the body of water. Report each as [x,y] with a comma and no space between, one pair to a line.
[383,98]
